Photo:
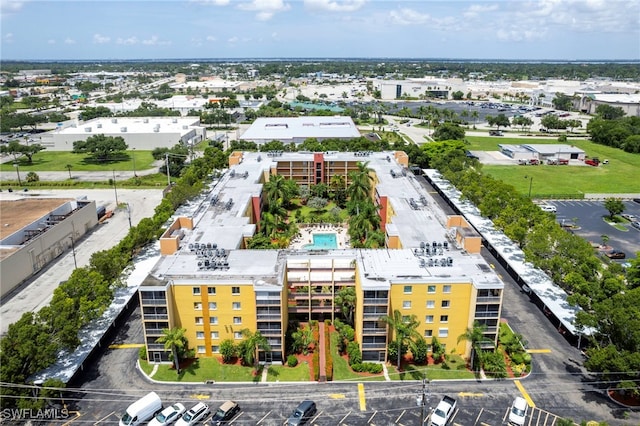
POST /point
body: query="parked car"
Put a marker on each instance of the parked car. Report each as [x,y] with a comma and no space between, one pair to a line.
[548,208]
[615,254]
[304,412]
[629,217]
[518,411]
[635,224]
[168,415]
[194,415]
[225,413]
[142,410]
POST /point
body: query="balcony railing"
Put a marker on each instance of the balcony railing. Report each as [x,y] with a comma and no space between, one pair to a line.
[375,301]
[155,346]
[156,316]
[153,331]
[260,302]
[374,314]
[488,299]
[153,302]
[380,345]
[486,315]
[374,331]
[268,316]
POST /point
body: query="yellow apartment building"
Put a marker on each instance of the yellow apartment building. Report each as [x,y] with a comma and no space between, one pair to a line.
[208,282]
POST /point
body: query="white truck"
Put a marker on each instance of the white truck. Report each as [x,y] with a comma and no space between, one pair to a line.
[443,411]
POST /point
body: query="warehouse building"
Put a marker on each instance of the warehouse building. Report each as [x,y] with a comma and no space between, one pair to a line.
[143,133]
[208,283]
[298,129]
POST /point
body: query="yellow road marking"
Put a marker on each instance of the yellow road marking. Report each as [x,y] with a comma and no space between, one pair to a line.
[127,346]
[337,396]
[363,404]
[200,396]
[463,394]
[538,351]
[524,393]
[77,413]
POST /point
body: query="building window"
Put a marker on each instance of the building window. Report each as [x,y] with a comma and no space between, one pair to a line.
[444,318]
[443,332]
[236,306]
[201,349]
[428,319]
[431,304]
[237,320]
[197,306]
[213,320]
[446,303]
[235,290]
[406,304]
[213,306]
[199,320]
[446,289]
[215,349]
[196,291]
[431,289]
[199,334]
[428,333]
[215,335]
[408,289]
[211,290]
[237,335]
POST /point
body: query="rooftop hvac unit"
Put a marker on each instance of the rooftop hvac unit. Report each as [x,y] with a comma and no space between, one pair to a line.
[99,125]
[114,120]
[123,129]
[156,129]
[145,120]
[87,129]
[174,120]
[185,127]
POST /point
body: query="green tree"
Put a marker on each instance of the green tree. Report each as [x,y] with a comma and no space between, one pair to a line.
[101,146]
[346,300]
[227,350]
[174,339]
[562,102]
[361,181]
[404,328]
[608,112]
[302,338]
[474,336]
[500,120]
[458,95]
[18,150]
[614,206]
[448,131]
[248,348]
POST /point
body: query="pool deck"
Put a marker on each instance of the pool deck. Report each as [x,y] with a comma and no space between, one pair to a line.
[306,232]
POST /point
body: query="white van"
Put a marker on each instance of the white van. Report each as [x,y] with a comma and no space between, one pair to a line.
[142,410]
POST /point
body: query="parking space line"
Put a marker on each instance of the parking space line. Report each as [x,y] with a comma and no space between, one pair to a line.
[236,417]
[363,404]
[372,416]
[78,415]
[538,351]
[127,346]
[479,414]
[524,393]
[344,418]
[400,416]
[315,417]
[264,417]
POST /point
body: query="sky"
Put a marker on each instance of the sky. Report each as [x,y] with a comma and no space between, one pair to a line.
[424,29]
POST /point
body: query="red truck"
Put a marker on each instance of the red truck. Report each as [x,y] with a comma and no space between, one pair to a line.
[592,162]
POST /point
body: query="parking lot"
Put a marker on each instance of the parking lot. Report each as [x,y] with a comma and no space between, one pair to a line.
[588,215]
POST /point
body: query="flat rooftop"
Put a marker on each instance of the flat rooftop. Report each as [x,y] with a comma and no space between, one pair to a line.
[15,214]
[113,125]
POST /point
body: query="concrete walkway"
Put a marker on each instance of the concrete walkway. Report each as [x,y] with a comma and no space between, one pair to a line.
[321,348]
[385,372]
[265,373]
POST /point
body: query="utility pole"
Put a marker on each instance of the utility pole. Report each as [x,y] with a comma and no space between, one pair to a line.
[166,161]
[114,187]
[422,399]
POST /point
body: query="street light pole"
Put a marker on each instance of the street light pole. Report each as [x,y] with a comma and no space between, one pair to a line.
[134,162]
[530,183]
[114,187]
[422,399]
[15,164]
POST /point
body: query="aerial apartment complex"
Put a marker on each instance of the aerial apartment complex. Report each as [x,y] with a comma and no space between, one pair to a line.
[208,283]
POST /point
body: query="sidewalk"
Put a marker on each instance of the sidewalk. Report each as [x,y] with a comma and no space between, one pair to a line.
[321,348]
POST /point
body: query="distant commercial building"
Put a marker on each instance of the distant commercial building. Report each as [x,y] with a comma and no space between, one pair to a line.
[143,133]
[209,283]
[37,230]
[542,152]
[629,102]
[298,129]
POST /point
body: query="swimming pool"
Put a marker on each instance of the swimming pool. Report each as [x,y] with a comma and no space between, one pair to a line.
[323,242]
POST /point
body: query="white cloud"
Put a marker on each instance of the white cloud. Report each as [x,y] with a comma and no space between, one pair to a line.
[10,6]
[129,41]
[51,41]
[475,10]
[213,2]
[155,41]
[335,5]
[233,40]
[406,16]
[265,9]
[100,39]
[211,38]
[69,41]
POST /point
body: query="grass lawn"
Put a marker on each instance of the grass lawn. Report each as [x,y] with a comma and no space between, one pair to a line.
[203,369]
[52,161]
[282,373]
[306,211]
[457,370]
[341,369]
[154,181]
[570,181]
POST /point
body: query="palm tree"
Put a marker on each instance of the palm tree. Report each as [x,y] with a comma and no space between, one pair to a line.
[404,328]
[346,300]
[249,347]
[274,189]
[475,336]
[475,115]
[173,339]
[69,166]
[361,181]
[302,338]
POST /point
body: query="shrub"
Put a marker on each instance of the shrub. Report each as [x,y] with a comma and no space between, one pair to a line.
[367,367]
[142,353]
[328,367]
[518,369]
[227,350]
[420,351]
[316,365]
[517,358]
[353,351]
[392,350]
[292,361]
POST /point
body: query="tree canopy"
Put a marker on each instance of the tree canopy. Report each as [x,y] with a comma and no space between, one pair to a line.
[101,147]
